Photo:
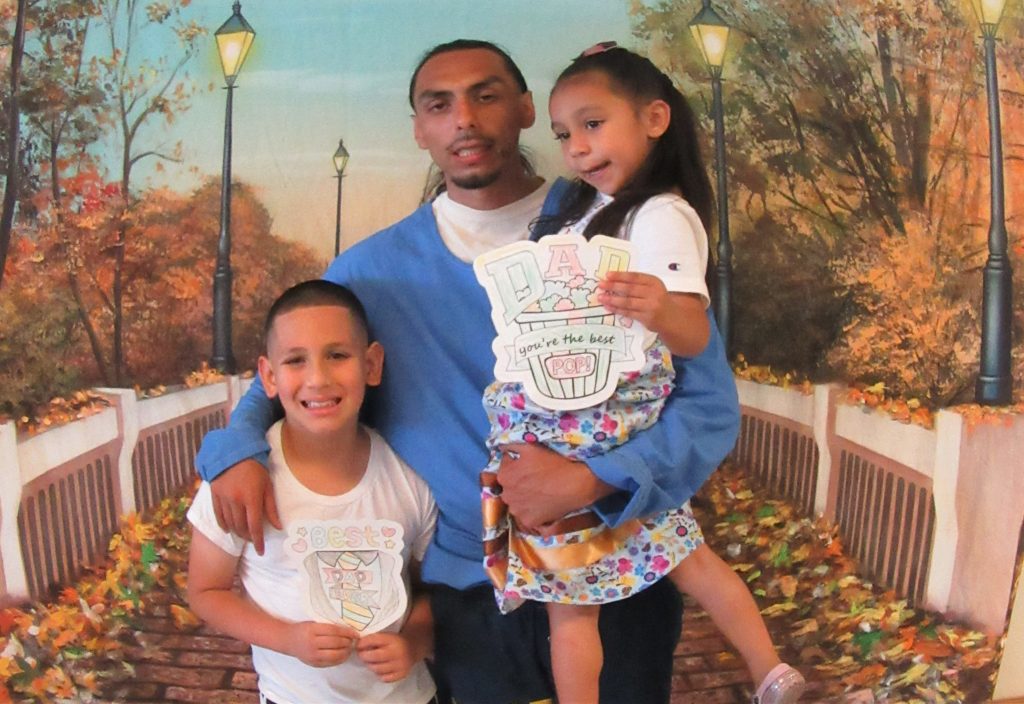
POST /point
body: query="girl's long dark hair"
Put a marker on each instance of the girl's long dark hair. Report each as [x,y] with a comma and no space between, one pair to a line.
[674,164]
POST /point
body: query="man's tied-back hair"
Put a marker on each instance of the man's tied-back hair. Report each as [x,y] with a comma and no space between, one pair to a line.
[460,45]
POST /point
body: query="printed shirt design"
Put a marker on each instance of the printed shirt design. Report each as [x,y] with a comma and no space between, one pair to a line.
[553,336]
[350,571]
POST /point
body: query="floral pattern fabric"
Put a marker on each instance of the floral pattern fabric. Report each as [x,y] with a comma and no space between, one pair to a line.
[593,564]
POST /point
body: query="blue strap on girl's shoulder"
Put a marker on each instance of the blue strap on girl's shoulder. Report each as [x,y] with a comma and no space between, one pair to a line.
[552,202]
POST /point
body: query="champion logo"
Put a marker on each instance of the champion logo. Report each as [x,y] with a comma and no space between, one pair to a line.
[673,266]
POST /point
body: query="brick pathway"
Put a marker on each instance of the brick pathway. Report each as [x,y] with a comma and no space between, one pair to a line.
[203,666]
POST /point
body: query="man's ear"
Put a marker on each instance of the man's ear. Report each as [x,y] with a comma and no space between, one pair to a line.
[266,373]
[416,132]
[528,111]
[374,364]
[657,115]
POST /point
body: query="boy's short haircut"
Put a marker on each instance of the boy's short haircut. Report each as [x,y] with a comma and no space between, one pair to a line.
[316,292]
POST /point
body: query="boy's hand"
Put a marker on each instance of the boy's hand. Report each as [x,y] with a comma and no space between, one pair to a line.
[320,644]
[390,656]
[639,296]
[242,496]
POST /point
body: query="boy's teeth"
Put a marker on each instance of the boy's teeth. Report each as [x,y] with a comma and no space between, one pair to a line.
[319,404]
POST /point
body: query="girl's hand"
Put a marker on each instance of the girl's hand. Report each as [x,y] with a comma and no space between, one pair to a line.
[390,656]
[320,644]
[639,296]
[679,319]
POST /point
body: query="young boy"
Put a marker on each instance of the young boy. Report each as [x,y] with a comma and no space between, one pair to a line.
[326,608]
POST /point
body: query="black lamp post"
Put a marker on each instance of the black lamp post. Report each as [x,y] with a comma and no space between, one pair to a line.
[234,38]
[340,161]
[712,35]
[995,383]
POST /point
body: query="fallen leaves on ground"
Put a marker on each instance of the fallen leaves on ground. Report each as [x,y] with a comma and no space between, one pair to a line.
[65,649]
[844,628]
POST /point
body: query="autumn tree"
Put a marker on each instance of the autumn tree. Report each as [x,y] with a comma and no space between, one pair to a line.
[62,108]
[855,137]
[13,125]
[168,274]
[141,91]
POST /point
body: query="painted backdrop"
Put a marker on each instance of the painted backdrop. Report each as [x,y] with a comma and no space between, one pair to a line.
[857,160]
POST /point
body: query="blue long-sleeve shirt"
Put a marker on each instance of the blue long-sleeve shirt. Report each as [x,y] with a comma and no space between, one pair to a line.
[433,319]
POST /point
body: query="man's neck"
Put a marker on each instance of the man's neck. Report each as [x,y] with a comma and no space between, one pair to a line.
[497,195]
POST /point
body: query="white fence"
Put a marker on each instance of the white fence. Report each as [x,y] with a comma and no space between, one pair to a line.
[62,491]
[934,513]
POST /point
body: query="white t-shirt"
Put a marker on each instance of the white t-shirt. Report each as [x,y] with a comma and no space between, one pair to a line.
[468,233]
[670,240]
[339,558]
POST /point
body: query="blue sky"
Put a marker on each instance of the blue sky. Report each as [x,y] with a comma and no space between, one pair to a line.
[321,70]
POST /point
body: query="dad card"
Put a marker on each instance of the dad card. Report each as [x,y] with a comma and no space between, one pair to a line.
[553,336]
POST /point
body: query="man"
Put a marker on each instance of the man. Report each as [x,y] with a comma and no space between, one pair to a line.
[415,278]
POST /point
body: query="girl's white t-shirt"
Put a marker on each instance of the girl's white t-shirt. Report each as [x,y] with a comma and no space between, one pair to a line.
[670,240]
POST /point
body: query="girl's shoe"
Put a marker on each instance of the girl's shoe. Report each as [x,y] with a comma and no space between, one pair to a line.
[783,685]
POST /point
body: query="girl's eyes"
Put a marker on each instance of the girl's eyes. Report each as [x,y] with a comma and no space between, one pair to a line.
[561,136]
[592,124]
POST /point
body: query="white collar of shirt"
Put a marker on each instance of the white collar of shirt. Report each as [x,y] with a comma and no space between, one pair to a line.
[468,233]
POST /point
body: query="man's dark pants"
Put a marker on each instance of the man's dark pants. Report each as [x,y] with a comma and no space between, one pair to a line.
[484,657]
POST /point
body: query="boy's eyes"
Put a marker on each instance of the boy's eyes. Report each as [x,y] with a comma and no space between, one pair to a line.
[561,136]
[592,124]
[291,361]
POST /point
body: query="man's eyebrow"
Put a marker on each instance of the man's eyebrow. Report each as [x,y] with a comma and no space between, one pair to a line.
[428,94]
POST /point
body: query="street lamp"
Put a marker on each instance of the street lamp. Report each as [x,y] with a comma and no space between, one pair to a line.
[712,34]
[340,161]
[995,383]
[234,38]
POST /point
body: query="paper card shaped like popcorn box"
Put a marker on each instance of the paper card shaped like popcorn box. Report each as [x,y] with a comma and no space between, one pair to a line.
[553,336]
[350,572]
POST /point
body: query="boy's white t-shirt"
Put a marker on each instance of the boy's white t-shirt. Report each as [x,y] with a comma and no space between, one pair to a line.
[359,544]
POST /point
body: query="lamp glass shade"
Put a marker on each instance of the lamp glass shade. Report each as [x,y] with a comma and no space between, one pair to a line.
[712,35]
[234,39]
[989,12]
[712,40]
[340,158]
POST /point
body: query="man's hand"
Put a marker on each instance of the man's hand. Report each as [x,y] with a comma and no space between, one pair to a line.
[539,485]
[390,656]
[320,644]
[242,496]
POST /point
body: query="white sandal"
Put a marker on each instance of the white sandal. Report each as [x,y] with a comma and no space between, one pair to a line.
[783,685]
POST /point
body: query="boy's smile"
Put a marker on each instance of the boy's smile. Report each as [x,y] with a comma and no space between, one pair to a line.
[319,364]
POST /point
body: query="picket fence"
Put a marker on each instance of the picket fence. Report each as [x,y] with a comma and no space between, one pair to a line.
[63,491]
[935,514]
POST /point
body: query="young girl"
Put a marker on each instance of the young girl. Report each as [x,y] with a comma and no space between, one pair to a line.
[629,136]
